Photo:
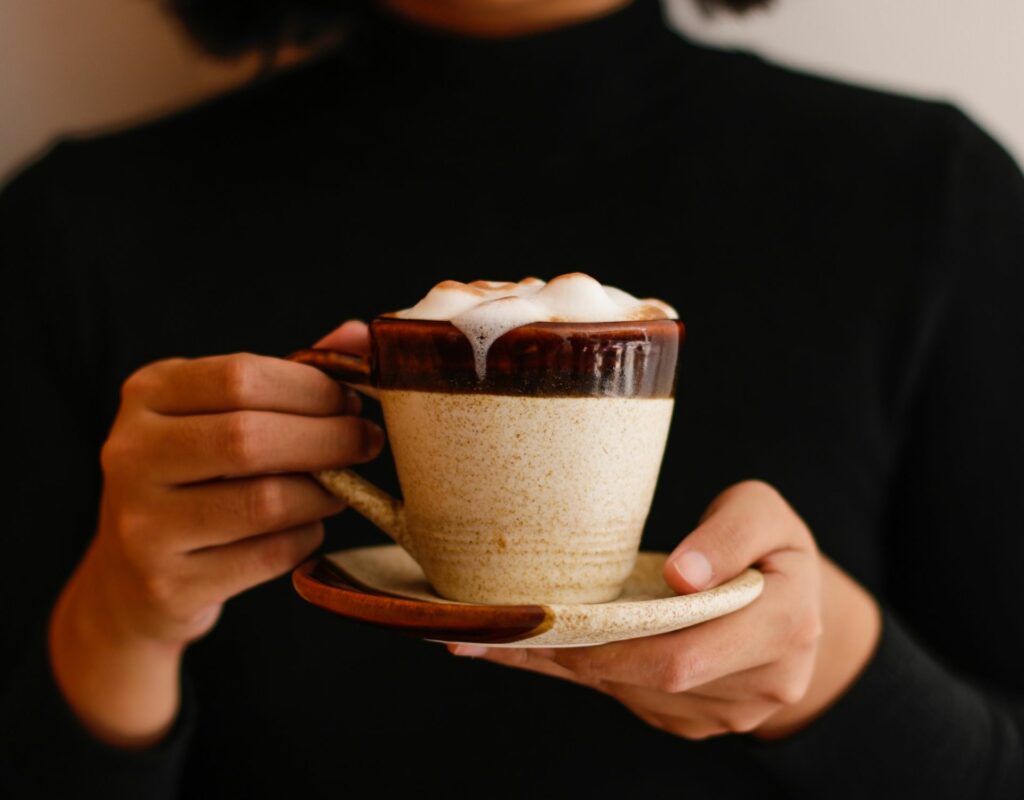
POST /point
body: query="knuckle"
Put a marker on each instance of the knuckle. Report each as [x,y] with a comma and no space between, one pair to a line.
[130,531]
[789,693]
[730,540]
[162,591]
[760,487]
[114,452]
[239,376]
[745,725]
[813,629]
[137,384]
[799,628]
[677,674]
[241,438]
[671,680]
[786,693]
[133,528]
[265,504]
[744,720]
[133,542]
[701,731]
[199,622]
[767,494]
[786,690]
[146,380]
[807,630]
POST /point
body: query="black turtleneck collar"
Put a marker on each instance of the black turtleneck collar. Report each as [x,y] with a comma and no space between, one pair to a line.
[581,85]
[576,51]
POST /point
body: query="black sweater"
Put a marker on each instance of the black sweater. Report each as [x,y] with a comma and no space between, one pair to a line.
[849,264]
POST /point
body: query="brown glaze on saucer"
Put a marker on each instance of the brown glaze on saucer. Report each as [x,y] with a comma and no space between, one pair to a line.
[329,586]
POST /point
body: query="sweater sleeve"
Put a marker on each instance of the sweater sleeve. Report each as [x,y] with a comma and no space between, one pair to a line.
[53,426]
[909,727]
[939,710]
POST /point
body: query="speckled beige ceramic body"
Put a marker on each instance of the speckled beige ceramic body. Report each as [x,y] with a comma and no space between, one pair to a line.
[512,499]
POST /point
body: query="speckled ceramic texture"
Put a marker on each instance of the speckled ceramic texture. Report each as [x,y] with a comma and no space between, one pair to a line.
[646,607]
[524,499]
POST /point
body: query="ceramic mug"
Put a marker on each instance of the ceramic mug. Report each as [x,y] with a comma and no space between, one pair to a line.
[532,482]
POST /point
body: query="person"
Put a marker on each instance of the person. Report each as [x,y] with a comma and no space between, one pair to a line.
[848,263]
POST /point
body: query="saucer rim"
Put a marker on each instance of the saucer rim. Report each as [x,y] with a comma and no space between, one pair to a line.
[324,583]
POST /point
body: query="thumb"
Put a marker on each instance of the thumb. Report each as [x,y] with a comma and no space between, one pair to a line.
[352,336]
[742,525]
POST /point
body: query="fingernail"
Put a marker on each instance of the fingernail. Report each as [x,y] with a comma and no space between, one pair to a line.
[694,568]
[469,650]
[374,439]
[353,403]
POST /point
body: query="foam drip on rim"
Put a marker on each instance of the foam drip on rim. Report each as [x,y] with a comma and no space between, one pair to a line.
[485,310]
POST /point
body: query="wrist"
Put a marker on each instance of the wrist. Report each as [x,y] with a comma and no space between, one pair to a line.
[851,627]
[122,687]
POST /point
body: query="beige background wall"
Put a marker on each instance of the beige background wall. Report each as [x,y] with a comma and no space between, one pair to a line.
[69,65]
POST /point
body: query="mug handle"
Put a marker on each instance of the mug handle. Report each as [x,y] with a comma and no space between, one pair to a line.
[383,510]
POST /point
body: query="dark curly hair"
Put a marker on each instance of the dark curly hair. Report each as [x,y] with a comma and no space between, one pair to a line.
[231,27]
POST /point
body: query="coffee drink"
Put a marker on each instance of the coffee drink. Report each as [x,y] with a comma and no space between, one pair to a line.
[528,423]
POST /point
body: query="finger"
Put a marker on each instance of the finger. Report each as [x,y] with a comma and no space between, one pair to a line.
[234,382]
[686,714]
[352,336]
[691,716]
[240,443]
[693,730]
[782,621]
[651,719]
[783,682]
[217,573]
[742,525]
[684,727]
[223,511]
[521,658]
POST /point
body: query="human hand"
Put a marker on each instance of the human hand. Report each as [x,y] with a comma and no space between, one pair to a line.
[769,668]
[205,494]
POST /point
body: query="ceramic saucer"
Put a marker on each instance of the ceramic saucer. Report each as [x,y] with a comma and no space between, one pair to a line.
[383,585]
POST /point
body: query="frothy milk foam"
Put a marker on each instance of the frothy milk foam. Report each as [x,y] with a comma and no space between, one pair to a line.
[527,498]
[484,310]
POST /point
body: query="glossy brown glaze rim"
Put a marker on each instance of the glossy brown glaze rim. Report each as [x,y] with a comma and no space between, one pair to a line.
[632,358]
[325,584]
